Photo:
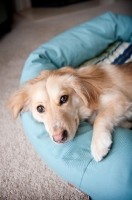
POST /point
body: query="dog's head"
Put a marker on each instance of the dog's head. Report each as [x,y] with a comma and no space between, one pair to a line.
[59,99]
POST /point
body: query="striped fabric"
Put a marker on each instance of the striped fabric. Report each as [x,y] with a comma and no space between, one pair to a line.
[116,53]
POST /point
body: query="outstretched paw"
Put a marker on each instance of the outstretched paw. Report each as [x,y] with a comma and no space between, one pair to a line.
[100,148]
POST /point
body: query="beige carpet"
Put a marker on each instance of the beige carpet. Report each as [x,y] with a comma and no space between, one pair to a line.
[23,175]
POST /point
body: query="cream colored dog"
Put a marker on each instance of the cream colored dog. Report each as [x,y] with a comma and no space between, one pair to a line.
[62,98]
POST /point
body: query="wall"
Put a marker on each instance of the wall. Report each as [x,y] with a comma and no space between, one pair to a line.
[20,5]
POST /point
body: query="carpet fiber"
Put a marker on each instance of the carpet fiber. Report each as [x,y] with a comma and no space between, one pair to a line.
[23,175]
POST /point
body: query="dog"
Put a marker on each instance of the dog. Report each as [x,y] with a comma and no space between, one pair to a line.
[62,98]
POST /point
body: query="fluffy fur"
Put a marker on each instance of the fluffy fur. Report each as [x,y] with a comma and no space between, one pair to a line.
[102,95]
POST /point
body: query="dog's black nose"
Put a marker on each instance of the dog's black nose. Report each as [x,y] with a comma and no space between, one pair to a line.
[64,135]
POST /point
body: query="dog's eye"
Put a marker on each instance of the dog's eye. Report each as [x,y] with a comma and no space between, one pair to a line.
[40,109]
[63,99]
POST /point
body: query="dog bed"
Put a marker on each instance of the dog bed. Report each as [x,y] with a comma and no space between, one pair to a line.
[110,179]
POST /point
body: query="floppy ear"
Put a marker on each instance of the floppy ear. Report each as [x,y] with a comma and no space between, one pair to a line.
[89,85]
[19,101]
[87,92]
[91,93]
[94,80]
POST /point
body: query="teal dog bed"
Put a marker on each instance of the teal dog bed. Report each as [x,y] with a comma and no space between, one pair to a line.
[110,179]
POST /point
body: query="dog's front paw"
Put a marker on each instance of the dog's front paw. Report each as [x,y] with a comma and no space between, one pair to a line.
[100,147]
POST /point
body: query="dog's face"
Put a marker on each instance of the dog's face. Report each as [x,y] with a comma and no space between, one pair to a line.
[57,98]
[55,104]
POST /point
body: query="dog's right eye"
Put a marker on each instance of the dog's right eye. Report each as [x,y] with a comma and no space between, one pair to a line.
[40,109]
[63,99]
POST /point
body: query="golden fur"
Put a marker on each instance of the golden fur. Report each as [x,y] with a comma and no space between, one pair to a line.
[62,98]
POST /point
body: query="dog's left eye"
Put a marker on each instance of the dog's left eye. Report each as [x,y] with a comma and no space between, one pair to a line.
[40,109]
[63,99]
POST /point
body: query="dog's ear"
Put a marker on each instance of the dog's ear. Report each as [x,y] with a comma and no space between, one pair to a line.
[19,101]
[89,85]
[91,93]
[87,92]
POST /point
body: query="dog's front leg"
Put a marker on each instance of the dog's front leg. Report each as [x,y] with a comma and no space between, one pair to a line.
[111,115]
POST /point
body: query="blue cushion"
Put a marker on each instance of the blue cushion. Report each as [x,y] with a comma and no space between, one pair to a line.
[110,179]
